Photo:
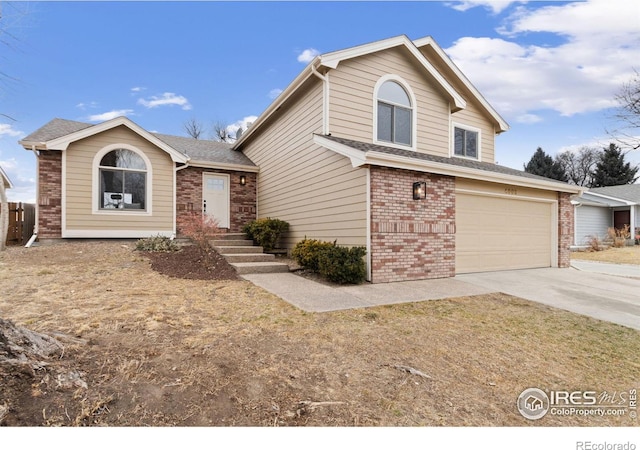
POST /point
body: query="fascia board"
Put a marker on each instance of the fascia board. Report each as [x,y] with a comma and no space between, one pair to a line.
[503,125]
[357,157]
[63,142]
[401,162]
[224,166]
[5,179]
[615,199]
[277,103]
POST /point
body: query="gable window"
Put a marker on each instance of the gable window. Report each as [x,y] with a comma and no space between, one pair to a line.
[395,114]
[466,142]
[123,181]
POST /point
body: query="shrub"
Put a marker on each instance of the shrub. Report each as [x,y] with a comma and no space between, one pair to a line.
[307,251]
[619,236]
[266,232]
[343,265]
[595,243]
[157,244]
[199,228]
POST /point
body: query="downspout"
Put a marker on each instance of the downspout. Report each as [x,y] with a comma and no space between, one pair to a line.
[34,236]
[175,193]
[325,99]
[575,223]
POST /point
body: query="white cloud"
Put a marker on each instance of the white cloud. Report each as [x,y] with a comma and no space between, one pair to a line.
[273,93]
[84,106]
[21,176]
[307,55]
[496,6]
[528,118]
[166,99]
[8,130]
[137,89]
[244,123]
[109,115]
[581,74]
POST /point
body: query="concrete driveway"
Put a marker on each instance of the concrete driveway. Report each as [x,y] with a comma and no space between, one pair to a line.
[602,296]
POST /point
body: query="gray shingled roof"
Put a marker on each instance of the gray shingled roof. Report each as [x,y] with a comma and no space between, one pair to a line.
[202,151]
[629,192]
[462,162]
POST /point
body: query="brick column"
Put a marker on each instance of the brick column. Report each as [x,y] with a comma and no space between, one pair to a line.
[50,194]
[565,229]
[411,239]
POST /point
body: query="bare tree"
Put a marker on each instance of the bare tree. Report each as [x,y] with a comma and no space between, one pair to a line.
[193,128]
[220,132]
[579,166]
[627,115]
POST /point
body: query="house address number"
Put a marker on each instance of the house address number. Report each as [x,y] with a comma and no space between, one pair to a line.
[511,191]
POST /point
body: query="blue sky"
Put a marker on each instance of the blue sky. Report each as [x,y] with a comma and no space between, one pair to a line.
[551,69]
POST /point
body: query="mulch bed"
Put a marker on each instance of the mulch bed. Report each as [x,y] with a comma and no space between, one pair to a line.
[194,263]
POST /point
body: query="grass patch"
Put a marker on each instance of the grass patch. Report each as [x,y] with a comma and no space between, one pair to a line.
[622,255]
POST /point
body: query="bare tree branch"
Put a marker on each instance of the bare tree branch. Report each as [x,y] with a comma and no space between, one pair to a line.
[193,128]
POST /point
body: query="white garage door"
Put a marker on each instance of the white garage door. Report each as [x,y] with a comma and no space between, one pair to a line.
[498,233]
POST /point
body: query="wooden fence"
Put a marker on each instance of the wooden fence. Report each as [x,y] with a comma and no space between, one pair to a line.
[22,219]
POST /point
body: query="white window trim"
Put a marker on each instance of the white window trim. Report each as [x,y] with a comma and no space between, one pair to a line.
[414,112]
[95,206]
[452,149]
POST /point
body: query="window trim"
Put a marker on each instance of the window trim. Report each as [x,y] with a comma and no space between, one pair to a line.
[95,191]
[465,127]
[413,108]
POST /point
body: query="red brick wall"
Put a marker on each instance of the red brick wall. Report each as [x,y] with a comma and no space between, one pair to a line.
[50,194]
[411,239]
[243,198]
[565,229]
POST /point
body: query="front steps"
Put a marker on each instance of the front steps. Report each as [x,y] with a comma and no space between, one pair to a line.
[245,257]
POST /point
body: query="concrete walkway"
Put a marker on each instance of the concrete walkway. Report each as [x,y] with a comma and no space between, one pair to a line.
[620,270]
[312,296]
[613,298]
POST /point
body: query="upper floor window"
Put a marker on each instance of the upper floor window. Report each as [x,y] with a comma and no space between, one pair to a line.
[123,180]
[395,114]
[466,142]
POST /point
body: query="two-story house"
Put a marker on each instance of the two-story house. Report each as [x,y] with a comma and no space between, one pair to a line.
[385,145]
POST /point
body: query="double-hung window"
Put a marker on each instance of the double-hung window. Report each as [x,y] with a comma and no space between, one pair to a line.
[466,142]
[123,181]
[395,114]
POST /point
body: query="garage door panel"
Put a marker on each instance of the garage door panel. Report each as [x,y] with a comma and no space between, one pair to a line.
[496,233]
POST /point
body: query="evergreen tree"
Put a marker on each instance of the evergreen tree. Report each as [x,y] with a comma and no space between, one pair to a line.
[544,165]
[612,170]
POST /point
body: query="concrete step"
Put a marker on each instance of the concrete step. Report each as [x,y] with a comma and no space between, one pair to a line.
[232,242]
[233,249]
[231,236]
[260,267]
[249,257]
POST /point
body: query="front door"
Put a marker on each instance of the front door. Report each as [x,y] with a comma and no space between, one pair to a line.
[215,197]
[620,219]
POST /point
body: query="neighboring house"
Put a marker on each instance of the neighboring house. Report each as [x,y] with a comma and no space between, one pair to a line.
[4,178]
[599,209]
[386,145]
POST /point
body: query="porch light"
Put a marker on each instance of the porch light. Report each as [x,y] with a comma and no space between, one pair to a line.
[419,190]
[243,180]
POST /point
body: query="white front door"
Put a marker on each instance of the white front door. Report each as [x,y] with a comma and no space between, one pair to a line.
[215,197]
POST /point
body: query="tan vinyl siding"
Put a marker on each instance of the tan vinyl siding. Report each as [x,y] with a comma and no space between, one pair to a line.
[352,102]
[80,186]
[473,114]
[314,189]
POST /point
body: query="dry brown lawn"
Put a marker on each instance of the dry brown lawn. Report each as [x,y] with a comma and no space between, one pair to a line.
[622,255]
[161,351]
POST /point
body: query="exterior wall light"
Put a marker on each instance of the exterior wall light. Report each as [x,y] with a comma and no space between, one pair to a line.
[243,180]
[419,190]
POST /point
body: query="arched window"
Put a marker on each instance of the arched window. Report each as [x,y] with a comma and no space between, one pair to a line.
[395,114]
[123,180]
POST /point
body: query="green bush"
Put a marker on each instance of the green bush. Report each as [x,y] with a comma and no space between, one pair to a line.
[266,232]
[157,244]
[343,265]
[307,251]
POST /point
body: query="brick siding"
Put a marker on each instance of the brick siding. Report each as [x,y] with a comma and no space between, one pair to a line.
[50,194]
[243,198]
[565,229]
[411,239]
